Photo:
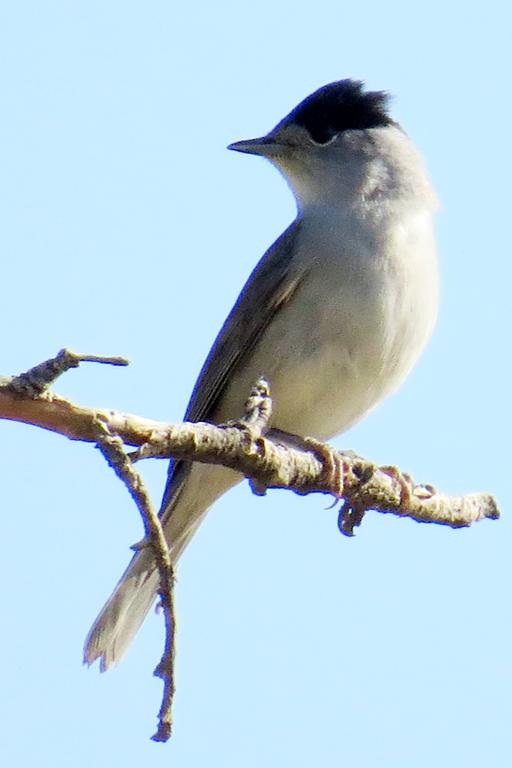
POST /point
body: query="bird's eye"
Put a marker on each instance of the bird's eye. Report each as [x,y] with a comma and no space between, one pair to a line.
[322,134]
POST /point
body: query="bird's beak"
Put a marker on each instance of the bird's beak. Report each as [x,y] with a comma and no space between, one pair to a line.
[264,145]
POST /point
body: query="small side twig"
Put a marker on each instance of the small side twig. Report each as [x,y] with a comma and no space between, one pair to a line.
[258,409]
[34,382]
[112,449]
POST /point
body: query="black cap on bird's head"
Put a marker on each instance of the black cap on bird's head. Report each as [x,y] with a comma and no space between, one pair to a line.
[332,109]
[340,106]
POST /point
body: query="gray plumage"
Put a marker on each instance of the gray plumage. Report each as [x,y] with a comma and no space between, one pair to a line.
[334,315]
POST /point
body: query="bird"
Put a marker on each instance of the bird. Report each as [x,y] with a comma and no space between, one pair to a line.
[334,315]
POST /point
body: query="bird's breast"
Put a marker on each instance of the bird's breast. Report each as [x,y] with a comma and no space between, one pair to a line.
[350,333]
[356,326]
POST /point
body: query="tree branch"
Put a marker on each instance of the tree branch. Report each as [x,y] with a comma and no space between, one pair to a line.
[269,458]
[112,448]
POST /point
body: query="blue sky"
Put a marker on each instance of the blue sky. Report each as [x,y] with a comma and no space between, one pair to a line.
[128,229]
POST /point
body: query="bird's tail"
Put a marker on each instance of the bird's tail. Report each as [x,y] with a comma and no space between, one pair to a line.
[122,615]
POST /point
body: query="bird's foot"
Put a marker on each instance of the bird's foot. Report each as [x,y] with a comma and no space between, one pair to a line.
[334,466]
[408,487]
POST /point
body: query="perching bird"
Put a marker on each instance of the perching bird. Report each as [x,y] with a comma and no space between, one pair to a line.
[334,315]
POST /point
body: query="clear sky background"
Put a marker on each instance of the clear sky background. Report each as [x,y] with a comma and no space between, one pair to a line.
[128,229]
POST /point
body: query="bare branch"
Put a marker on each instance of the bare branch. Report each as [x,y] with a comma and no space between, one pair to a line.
[270,461]
[112,448]
[269,458]
[36,380]
[55,413]
[273,465]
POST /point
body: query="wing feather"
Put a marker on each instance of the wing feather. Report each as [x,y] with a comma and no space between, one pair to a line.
[270,286]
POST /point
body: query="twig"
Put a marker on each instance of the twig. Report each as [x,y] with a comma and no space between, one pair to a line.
[112,449]
[36,380]
[258,410]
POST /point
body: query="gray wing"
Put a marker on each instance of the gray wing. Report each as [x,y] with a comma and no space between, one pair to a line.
[269,287]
